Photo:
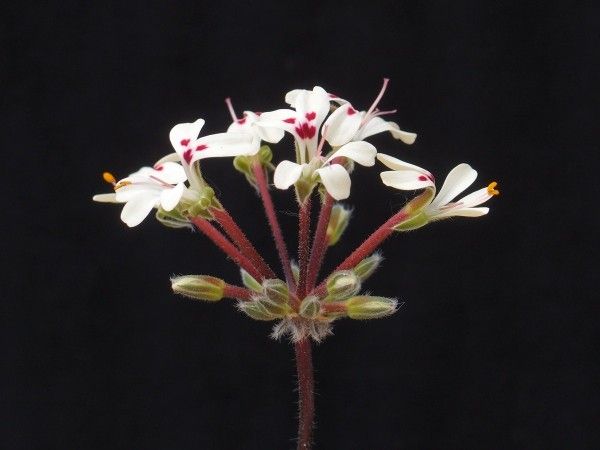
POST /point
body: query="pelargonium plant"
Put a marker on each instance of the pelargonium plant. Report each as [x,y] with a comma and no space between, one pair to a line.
[330,137]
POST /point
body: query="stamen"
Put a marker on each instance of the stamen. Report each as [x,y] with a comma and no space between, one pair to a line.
[120,184]
[378,98]
[491,189]
[109,178]
[383,113]
[230,108]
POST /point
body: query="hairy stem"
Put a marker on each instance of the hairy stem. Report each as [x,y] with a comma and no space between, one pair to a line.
[303,244]
[369,245]
[238,292]
[306,402]
[236,234]
[225,245]
[263,188]
[319,247]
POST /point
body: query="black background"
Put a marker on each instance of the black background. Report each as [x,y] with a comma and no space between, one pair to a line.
[493,348]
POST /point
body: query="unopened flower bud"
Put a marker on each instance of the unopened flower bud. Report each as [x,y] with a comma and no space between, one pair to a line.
[206,199]
[310,307]
[367,266]
[265,155]
[250,282]
[276,290]
[262,308]
[338,222]
[342,285]
[370,307]
[200,287]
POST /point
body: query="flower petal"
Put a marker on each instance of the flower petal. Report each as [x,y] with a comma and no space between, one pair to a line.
[170,197]
[475,198]
[185,132]
[362,152]
[336,180]
[138,208]
[377,125]
[309,102]
[225,145]
[272,124]
[106,198]
[462,212]
[459,179]
[397,164]
[244,124]
[286,174]
[406,180]
[342,125]
[169,172]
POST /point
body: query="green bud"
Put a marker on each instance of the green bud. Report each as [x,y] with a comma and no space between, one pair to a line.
[265,155]
[310,307]
[262,308]
[367,266]
[276,291]
[342,285]
[200,287]
[250,282]
[370,307]
[206,199]
[338,222]
[243,164]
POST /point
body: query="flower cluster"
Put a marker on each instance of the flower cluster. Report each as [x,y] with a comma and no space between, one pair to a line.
[330,136]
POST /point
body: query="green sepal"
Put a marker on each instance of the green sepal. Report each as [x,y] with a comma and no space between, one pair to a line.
[310,307]
[370,307]
[250,282]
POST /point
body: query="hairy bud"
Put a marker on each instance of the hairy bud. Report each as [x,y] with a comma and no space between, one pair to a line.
[200,287]
[276,291]
[370,307]
[338,222]
[250,282]
[414,209]
[368,266]
[342,285]
[310,307]
[263,308]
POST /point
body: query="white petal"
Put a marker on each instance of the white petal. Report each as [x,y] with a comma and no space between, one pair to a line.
[286,174]
[138,208]
[291,96]
[475,198]
[462,212]
[459,179]
[171,157]
[336,180]
[316,102]
[225,145]
[244,124]
[406,180]
[397,164]
[169,172]
[272,124]
[362,152]
[170,197]
[377,125]
[342,125]
[106,198]
[183,132]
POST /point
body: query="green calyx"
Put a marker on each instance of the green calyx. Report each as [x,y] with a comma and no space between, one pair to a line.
[338,222]
[245,163]
[366,307]
[199,287]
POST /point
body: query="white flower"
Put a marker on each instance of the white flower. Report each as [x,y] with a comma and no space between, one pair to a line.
[148,188]
[407,176]
[347,124]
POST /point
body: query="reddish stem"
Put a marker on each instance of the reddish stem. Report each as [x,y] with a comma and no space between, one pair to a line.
[303,244]
[369,245]
[226,246]
[306,402]
[263,188]
[238,292]
[236,234]
[319,247]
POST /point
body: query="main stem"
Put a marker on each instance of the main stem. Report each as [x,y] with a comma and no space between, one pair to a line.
[263,188]
[306,402]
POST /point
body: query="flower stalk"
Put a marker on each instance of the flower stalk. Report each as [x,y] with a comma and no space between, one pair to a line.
[306,400]
[319,247]
[303,244]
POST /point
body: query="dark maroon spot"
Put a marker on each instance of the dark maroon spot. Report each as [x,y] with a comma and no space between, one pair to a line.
[201,147]
[290,120]
[422,178]
[185,142]
[241,121]
[187,155]
[306,131]
[351,111]
[311,115]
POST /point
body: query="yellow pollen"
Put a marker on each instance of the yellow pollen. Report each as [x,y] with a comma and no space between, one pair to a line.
[492,188]
[109,178]
[120,184]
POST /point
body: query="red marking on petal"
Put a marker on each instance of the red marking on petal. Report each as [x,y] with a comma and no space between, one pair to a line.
[187,155]
[185,142]
[241,121]
[159,167]
[351,111]
[311,115]
[201,147]
[333,96]
[290,120]
[422,178]
[258,113]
